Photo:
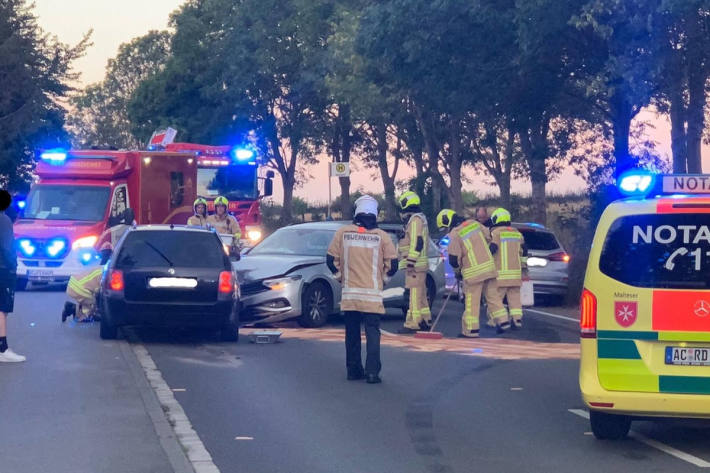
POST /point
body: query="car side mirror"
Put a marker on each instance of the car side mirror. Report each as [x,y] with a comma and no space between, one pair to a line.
[128,216]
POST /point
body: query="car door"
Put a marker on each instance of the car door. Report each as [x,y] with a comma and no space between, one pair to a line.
[394,289]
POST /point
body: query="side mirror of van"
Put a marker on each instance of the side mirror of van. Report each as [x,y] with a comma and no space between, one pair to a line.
[128,216]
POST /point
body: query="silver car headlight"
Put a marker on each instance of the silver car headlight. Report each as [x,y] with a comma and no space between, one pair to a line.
[535,261]
[279,284]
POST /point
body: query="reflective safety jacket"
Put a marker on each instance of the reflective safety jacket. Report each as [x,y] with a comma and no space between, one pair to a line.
[83,288]
[197,220]
[408,252]
[468,244]
[362,258]
[509,257]
[226,225]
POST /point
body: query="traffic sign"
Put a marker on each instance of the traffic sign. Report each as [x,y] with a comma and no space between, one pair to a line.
[339,169]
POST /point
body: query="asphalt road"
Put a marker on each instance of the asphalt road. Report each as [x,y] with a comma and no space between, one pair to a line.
[500,404]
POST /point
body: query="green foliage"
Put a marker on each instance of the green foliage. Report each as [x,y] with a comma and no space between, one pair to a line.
[99,115]
[35,73]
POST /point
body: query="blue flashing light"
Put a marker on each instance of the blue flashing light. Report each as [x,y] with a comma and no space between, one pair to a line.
[444,241]
[534,224]
[636,183]
[87,255]
[26,247]
[55,247]
[243,154]
[21,204]
[55,156]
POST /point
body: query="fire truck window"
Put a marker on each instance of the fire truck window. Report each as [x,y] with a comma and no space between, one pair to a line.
[234,182]
[177,189]
[119,204]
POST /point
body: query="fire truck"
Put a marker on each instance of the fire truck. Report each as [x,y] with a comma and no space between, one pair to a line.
[79,195]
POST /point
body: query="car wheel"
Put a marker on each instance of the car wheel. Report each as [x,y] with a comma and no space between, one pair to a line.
[609,426]
[21,284]
[229,333]
[106,330]
[316,305]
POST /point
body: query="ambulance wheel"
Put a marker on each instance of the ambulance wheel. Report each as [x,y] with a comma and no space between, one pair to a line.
[106,330]
[316,305]
[229,333]
[21,284]
[609,426]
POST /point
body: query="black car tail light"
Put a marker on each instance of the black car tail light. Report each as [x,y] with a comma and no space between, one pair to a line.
[226,285]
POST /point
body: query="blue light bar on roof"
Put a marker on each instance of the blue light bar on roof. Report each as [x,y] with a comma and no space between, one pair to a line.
[243,154]
[54,156]
[637,183]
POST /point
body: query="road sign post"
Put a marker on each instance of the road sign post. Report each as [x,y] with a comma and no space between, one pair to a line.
[336,169]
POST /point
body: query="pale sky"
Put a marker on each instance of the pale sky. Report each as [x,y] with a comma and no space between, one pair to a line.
[117,21]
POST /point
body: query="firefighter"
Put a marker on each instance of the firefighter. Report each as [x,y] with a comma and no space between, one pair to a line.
[199,219]
[473,263]
[224,223]
[509,254]
[413,260]
[83,288]
[361,256]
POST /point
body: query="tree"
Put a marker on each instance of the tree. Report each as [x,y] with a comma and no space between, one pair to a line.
[100,113]
[254,65]
[35,73]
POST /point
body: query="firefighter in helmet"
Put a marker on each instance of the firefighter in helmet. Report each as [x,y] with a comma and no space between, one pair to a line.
[222,221]
[473,263]
[413,260]
[509,254]
[199,219]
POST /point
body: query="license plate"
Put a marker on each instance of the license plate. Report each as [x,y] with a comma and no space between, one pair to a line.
[40,274]
[179,283]
[688,356]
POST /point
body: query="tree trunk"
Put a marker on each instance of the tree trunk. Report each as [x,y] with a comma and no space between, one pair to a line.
[455,190]
[622,115]
[678,137]
[696,118]
[286,210]
[346,207]
[387,178]
[534,144]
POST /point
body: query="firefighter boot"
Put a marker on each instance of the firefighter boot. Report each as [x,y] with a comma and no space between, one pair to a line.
[69,311]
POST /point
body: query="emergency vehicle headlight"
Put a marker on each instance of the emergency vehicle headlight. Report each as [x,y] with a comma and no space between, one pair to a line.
[87,255]
[254,235]
[26,247]
[84,242]
[278,284]
[21,204]
[54,156]
[55,247]
[243,154]
[636,183]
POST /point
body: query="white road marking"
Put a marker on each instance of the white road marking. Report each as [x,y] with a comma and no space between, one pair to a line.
[687,457]
[179,390]
[516,389]
[243,438]
[195,450]
[548,314]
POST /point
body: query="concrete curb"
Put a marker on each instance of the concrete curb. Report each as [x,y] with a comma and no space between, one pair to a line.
[168,439]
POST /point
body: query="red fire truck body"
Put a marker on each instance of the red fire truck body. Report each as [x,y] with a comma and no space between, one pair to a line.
[80,194]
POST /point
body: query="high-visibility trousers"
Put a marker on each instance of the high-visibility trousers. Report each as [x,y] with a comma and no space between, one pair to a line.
[419,310]
[515,305]
[83,289]
[472,305]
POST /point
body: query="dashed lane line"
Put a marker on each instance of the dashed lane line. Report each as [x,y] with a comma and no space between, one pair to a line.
[687,457]
[555,316]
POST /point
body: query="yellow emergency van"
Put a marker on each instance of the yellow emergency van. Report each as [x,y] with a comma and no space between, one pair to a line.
[645,308]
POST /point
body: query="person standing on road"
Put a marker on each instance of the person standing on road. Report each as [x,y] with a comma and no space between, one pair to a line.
[361,256]
[199,219]
[8,277]
[473,263]
[482,216]
[509,252]
[413,260]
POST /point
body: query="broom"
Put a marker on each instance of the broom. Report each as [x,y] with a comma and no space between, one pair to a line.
[431,334]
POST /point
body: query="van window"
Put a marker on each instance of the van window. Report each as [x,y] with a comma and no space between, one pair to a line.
[177,190]
[660,251]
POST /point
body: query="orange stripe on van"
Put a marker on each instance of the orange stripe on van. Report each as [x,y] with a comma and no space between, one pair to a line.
[687,311]
[685,205]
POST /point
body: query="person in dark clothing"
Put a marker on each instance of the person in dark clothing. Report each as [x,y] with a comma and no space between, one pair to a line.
[8,270]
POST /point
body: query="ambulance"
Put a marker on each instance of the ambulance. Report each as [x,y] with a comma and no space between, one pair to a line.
[645,307]
[80,195]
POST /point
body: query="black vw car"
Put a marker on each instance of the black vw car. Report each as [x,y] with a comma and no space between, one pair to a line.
[169,275]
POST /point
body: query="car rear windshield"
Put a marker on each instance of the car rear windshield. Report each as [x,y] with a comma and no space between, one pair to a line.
[659,251]
[143,249]
[537,240]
